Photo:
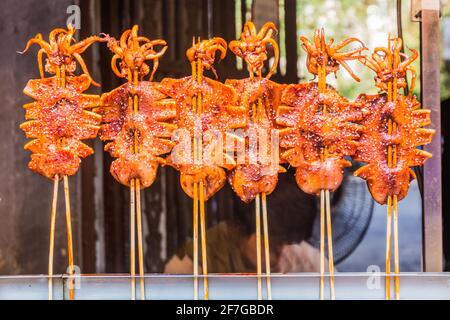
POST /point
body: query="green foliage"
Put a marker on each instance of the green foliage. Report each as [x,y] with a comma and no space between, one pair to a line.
[445,74]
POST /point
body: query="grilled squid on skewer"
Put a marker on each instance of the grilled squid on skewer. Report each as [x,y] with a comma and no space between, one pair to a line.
[137,123]
[393,129]
[307,130]
[320,130]
[219,114]
[59,119]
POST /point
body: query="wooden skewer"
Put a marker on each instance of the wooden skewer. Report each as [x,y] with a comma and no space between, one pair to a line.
[199,191]
[195,226]
[322,242]
[195,240]
[259,112]
[258,246]
[140,240]
[53,218]
[52,237]
[132,240]
[257,218]
[395,206]
[203,234]
[388,249]
[325,209]
[389,209]
[255,113]
[137,187]
[330,244]
[69,237]
[266,245]
[396,250]
[261,200]
[202,199]
[61,82]
[196,190]
[132,210]
[392,204]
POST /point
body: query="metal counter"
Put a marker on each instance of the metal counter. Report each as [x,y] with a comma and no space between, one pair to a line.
[226,287]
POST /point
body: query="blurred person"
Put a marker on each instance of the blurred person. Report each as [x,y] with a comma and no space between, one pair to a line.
[231,245]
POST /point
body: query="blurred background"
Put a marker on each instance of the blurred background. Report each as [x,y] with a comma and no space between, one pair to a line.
[100,205]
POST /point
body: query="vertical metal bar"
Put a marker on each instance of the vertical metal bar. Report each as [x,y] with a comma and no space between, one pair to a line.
[210,18]
[291,41]
[432,201]
[89,175]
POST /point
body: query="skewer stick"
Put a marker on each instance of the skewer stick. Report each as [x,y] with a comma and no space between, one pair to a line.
[395,206]
[256,115]
[266,245]
[137,187]
[322,242]
[195,200]
[196,190]
[325,207]
[202,198]
[257,217]
[392,199]
[132,240]
[61,82]
[195,210]
[388,248]
[396,250]
[255,111]
[265,219]
[258,246]
[69,237]
[203,234]
[52,237]
[199,191]
[330,244]
[53,218]
[195,240]
[389,211]
[132,210]
[140,240]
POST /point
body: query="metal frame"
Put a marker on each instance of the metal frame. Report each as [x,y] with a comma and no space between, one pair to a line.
[430,81]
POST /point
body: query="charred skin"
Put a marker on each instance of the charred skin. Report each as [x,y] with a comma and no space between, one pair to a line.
[258,174]
[219,114]
[307,131]
[384,180]
[152,125]
[58,120]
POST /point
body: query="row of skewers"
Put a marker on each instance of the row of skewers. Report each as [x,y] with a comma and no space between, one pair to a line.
[317,131]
